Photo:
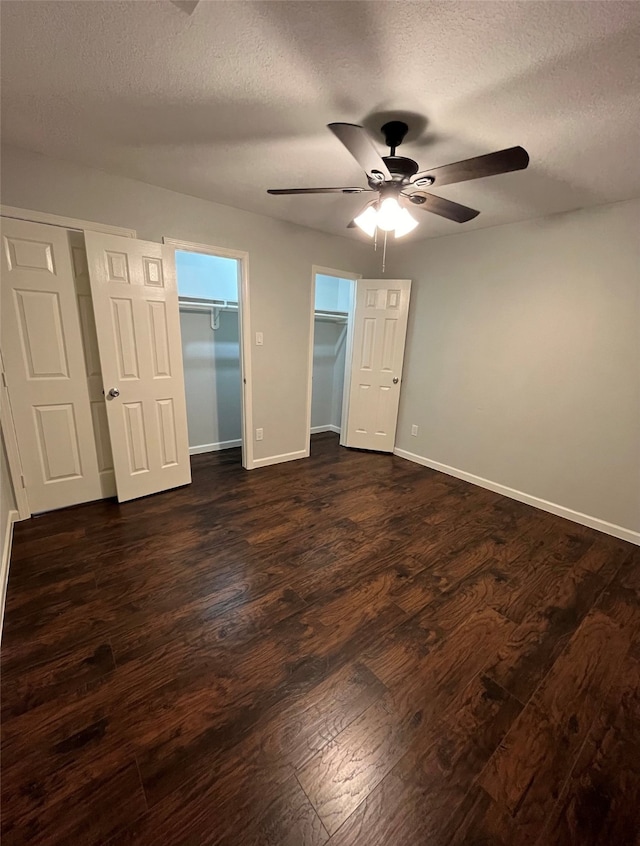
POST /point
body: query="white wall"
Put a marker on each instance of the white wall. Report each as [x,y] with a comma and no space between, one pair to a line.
[523,357]
[281,257]
[212,379]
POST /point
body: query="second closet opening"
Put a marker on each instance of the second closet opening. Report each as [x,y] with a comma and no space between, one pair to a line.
[208,291]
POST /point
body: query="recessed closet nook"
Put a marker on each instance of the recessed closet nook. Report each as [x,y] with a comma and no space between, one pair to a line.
[334,302]
[209,323]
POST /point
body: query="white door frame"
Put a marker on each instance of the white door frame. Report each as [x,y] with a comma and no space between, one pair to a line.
[245,334]
[339,274]
[6,416]
[65,222]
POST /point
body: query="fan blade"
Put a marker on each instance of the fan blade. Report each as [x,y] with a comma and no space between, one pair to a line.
[352,224]
[445,208]
[358,143]
[504,161]
[316,190]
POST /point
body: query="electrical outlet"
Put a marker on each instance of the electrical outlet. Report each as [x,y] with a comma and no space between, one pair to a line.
[414,430]
[259,339]
[259,434]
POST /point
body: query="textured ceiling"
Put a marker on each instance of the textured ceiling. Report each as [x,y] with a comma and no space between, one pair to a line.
[225,100]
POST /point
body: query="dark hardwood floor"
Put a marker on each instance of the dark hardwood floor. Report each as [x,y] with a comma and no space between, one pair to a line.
[351,650]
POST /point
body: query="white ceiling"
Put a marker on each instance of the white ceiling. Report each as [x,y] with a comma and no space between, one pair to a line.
[233,98]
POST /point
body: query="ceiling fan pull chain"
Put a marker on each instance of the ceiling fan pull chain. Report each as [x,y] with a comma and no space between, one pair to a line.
[384,251]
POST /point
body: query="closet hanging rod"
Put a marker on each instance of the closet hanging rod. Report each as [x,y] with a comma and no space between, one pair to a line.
[199,301]
[332,316]
[211,307]
[206,306]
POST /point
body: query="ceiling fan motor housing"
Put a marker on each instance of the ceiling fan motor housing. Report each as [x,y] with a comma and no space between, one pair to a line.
[400,168]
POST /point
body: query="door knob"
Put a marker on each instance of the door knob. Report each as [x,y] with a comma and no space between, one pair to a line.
[114,392]
[395,380]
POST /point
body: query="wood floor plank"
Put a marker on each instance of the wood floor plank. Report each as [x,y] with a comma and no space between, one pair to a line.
[346,770]
[600,803]
[100,807]
[352,647]
[433,777]
[537,642]
[528,771]
[479,821]
[27,688]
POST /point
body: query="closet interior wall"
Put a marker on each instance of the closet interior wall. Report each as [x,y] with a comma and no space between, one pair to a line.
[331,321]
[209,323]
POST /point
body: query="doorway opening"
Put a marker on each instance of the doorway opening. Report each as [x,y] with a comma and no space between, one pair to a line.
[333,301]
[209,295]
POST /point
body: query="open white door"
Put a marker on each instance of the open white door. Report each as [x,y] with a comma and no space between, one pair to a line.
[135,303]
[45,367]
[379,332]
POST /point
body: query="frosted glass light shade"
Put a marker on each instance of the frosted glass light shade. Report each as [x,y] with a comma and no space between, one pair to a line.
[389,214]
[406,223]
[367,221]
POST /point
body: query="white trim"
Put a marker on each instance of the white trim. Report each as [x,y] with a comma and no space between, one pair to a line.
[536,502]
[328,428]
[7,541]
[202,448]
[339,274]
[66,222]
[13,453]
[244,327]
[279,459]
[348,364]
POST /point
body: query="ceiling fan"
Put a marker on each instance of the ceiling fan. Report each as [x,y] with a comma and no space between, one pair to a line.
[398,181]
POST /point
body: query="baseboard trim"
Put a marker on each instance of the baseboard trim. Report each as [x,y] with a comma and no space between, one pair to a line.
[552,507]
[315,430]
[198,450]
[7,541]
[279,459]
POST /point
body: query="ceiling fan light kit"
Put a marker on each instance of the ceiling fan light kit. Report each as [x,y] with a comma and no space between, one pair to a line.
[398,180]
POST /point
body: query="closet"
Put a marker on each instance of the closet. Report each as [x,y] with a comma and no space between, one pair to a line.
[333,309]
[92,364]
[209,322]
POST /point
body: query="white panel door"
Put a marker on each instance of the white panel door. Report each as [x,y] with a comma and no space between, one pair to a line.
[135,304]
[45,367]
[379,332]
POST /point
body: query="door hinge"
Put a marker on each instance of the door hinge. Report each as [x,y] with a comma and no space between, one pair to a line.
[24,484]
[4,379]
